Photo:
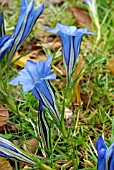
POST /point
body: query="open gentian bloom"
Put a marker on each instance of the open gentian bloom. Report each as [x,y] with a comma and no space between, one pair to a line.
[35,77]
[10,151]
[71,40]
[105,155]
[27,18]
[5,44]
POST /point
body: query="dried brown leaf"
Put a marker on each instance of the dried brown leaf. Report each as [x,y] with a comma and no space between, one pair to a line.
[31,56]
[77,97]
[110,66]
[82,16]
[13,128]
[4,115]
[85,99]
[31,146]
[4,3]
[4,164]
[52,45]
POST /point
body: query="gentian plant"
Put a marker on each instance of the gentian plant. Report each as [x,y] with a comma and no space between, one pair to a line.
[105,155]
[71,40]
[27,18]
[9,44]
[35,77]
[5,44]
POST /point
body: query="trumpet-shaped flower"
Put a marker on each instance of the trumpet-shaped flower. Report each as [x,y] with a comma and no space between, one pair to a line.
[10,151]
[35,78]
[5,44]
[71,40]
[34,73]
[27,18]
[105,155]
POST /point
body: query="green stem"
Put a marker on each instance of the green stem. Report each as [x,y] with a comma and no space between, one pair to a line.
[99,31]
[65,134]
[11,103]
[63,130]
[45,167]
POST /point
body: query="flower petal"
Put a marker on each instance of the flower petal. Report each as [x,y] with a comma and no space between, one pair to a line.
[50,77]
[110,157]
[14,81]
[69,30]
[48,62]
[9,150]
[33,16]
[43,88]
[25,79]
[66,44]
[100,144]
[31,68]
[55,30]
[36,94]
[101,150]
[5,45]
[25,8]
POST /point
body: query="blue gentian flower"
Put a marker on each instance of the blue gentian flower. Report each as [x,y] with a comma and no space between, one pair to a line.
[35,77]
[105,155]
[27,18]
[5,44]
[34,73]
[10,151]
[71,40]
